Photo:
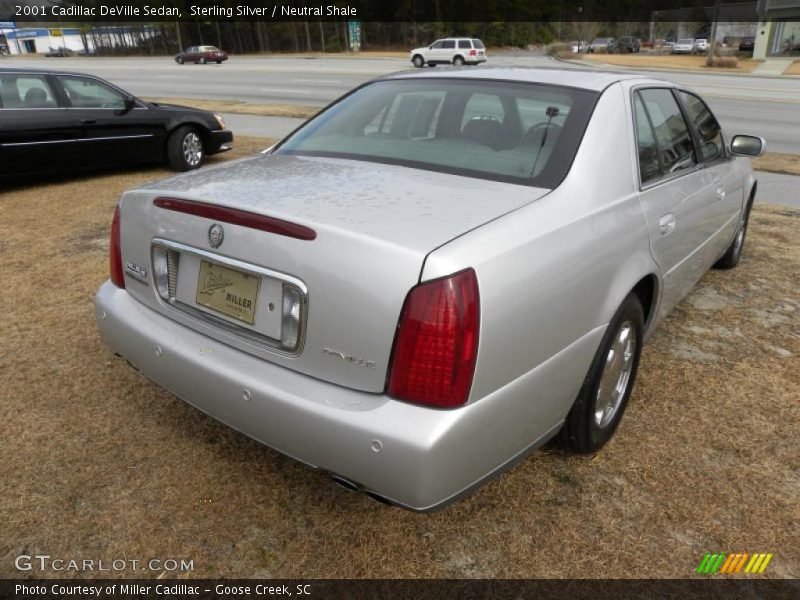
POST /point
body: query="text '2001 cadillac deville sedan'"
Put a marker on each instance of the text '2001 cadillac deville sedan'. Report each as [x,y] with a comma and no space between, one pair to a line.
[434,276]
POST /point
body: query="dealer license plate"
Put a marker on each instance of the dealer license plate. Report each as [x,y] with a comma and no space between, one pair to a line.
[228,291]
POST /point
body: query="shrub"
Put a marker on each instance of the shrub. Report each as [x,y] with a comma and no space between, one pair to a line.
[560,50]
[725,62]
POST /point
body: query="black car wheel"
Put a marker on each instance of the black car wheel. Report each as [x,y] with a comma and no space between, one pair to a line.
[219,62]
[458,61]
[179,60]
[418,61]
[202,60]
[604,395]
[734,252]
[185,149]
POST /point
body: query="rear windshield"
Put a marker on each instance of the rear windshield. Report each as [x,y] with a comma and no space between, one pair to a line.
[504,131]
[478,44]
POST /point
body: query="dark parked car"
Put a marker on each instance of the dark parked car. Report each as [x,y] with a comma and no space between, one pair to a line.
[61,51]
[747,44]
[201,55]
[628,43]
[59,121]
[607,45]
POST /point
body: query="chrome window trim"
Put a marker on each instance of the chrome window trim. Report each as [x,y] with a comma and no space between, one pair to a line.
[192,316]
[115,137]
[56,74]
[78,140]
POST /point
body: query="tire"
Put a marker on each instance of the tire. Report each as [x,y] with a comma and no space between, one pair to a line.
[588,427]
[418,61]
[179,60]
[219,62]
[202,60]
[734,252]
[185,149]
[458,61]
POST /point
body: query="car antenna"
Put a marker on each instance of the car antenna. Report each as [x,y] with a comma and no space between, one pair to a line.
[552,111]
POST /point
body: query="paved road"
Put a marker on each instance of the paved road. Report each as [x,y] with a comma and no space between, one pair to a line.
[774,188]
[766,106]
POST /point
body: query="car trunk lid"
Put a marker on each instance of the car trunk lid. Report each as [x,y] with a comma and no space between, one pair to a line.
[374,224]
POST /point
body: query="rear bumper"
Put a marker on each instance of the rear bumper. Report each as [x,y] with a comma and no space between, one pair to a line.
[414,457]
[217,139]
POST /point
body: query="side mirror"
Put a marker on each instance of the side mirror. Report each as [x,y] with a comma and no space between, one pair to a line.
[748,145]
[130,103]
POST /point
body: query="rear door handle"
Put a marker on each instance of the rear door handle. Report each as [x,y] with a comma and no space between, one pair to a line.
[666,224]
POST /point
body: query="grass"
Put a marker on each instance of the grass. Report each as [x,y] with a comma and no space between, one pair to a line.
[775,162]
[244,108]
[666,61]
[98,462]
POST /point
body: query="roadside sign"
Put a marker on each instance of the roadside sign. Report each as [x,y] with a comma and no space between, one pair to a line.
[8,25]
[354,29]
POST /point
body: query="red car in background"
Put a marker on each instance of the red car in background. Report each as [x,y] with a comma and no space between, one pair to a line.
[201,55]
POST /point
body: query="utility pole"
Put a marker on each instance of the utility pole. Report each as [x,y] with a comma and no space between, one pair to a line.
[715,19]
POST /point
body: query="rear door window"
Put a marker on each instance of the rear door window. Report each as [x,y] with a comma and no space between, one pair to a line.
[26,91]
[649,168]
[464,44]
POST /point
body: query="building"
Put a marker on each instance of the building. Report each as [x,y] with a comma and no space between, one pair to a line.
[40,40]
[778,31]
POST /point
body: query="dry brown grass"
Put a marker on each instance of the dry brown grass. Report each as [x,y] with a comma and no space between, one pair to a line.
[793,69]
[96,461]
[667,61]
[244,108]
[789,164]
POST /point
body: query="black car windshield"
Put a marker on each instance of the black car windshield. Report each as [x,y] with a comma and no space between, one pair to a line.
[521,133]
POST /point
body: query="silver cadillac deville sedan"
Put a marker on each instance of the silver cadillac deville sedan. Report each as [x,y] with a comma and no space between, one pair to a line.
[436,275]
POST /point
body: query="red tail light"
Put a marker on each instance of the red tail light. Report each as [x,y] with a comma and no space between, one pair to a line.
[436,344]
[115,253]
[473,52]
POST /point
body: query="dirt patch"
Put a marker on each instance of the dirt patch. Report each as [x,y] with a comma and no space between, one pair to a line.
[793,69]
[244,108]
[667,61]
[788,164]
[98,462]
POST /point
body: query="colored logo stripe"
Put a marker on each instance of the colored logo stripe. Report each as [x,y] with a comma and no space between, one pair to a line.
[733,563]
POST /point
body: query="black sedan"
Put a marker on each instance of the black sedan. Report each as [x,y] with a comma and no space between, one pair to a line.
[58,121]
[747,44]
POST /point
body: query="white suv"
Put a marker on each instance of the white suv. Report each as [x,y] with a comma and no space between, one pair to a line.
[456,51]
